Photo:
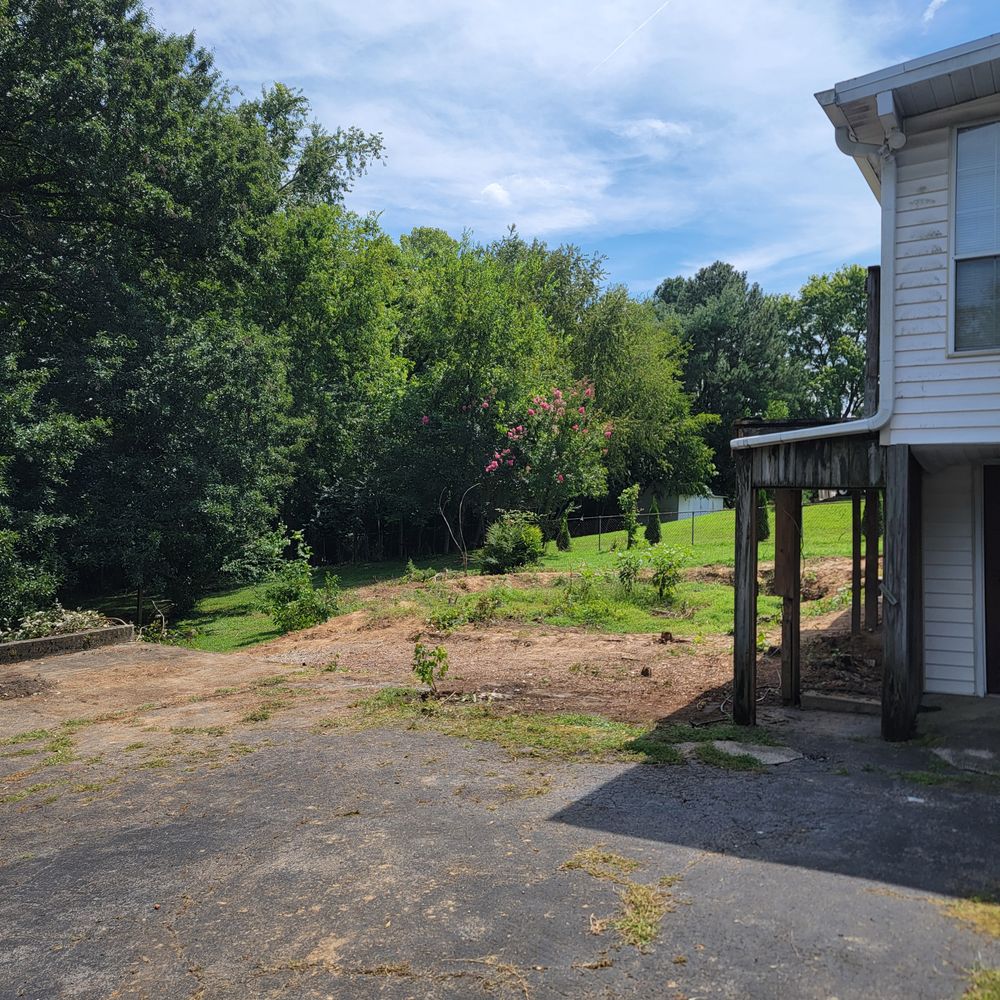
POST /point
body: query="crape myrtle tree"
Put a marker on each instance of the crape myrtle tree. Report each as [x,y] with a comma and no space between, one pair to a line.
[136,197]
[475,345]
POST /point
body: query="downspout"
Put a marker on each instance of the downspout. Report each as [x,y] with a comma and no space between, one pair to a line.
[886,372]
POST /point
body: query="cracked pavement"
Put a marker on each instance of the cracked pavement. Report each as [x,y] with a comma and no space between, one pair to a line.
[399,864]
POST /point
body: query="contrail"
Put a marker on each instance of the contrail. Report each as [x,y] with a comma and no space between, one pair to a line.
[634,31]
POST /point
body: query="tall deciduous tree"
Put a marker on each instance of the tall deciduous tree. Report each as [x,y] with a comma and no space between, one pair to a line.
[737,361]
[827,326]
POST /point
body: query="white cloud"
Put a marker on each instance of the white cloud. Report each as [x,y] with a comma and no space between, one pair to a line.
[653,128]
[704,121]
[932,8]
[496,193]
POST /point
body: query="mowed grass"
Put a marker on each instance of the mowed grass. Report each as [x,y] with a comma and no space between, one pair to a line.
[826,531]
[232,618]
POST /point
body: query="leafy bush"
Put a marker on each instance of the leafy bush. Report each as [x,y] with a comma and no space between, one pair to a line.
[24,586]
[666,561]
[447,618]
[563,541]
[628,566]
[653,524]
[628,504]
[56,620]
[513,541]
[483,608]
[413,574]
[430,665]
[293,601]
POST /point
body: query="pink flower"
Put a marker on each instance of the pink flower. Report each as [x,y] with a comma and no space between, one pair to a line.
[560,477]
[589,393]
[545,406]
[576,427]
[510,461]
[586,430]
[583,409]
[607,432]
[486,404]
[531,413]
[536,400]
[425,420]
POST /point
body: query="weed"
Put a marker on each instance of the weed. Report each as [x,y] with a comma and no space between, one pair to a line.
[642,909]
[259,714]
[980,912]
[602,864]
[31,736]
[984,984]
[708,753]
[133,746]
[155,762]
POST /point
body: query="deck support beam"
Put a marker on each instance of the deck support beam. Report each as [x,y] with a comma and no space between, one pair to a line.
[745,590]
[902,609]
[788,583]
[871,559]
[855,562]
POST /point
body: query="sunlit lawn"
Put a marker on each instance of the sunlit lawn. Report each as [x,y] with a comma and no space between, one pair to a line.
[232,618]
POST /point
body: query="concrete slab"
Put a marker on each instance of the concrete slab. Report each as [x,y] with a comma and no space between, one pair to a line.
[765,755]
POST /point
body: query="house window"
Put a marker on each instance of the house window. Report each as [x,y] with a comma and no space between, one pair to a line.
[977,239]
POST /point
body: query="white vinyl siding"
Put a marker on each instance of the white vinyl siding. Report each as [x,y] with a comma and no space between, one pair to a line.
[949,582]
[941,397]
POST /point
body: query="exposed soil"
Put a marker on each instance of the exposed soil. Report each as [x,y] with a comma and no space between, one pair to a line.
[16,685]
[323,670]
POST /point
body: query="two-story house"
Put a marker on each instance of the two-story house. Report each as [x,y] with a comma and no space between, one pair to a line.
[926,137]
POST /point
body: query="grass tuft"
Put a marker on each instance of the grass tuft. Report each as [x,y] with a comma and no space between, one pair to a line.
[710,754]
[984,984]
[980,912]
[642,910]
[602,864]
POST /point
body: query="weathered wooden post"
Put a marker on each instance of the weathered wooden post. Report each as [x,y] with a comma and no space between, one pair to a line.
[871,559]
[902,611]
[855,562]
[745,594]
[788,583]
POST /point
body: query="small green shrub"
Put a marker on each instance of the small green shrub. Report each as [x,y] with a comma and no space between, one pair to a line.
[430,665]
[513,541]
[628,566]
[666,561]
[414,574]
[563,541]
[653,532]
[293,601]
[484,608]
[446,619]
[628,503]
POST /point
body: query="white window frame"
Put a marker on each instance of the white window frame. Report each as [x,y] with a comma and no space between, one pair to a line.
[953,257]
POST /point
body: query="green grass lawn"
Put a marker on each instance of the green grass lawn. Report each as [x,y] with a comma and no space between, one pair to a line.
[826,531]
[231,619]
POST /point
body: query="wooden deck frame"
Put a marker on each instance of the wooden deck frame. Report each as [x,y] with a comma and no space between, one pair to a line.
[851,462]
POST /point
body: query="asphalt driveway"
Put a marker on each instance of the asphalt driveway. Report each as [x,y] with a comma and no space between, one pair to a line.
[401,864]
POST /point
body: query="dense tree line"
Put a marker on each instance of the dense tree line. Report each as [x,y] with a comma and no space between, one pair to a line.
[202,350]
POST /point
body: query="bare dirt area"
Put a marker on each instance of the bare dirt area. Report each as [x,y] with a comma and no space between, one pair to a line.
[635,678]
[528,668]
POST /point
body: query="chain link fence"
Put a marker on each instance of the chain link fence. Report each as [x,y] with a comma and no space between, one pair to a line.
[710,535]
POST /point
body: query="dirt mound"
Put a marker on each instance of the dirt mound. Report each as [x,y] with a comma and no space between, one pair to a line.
[13,685]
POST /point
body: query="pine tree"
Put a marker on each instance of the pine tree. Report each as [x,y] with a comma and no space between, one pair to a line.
[653,524]
[563,541]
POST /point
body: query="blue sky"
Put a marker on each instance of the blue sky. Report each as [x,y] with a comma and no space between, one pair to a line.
[664,136]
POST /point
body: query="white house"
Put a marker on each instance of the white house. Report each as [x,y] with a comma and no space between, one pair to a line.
[926,137]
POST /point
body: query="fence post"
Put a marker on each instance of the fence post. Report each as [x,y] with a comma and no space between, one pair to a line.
[598,532]
[692,527]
